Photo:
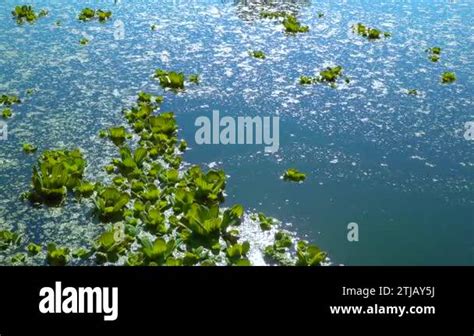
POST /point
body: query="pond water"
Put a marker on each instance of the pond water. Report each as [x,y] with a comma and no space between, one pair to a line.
[398,165]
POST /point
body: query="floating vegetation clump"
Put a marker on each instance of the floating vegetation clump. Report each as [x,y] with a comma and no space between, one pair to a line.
[448,77]
[266,223]
[328,75]
[88,14]
[257,54]
[292,25]
[306,80]
[26,13]
[290,22]
[8,238]
[83,41]
[368,32]
[57,256]
[309,255]
[29,148]
[412,92]
[174,80]
[279,251]
[434,53]
[9,100]
[157,212]
[56,173]
[294,175]
[7,113]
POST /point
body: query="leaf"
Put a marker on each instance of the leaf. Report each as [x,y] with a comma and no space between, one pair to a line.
[57,256]
[448,77]
[294,175]
[33,248]
[29,148]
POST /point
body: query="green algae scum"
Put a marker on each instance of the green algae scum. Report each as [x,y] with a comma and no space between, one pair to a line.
[99,158]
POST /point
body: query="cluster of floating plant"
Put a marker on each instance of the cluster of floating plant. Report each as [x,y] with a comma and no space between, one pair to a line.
[174,80]
[257,54]
[368,32]
[292,25]
[290,22]
[448,77]
[155,212]
[294,175]
[88,14]
[328,75]
[29,148]
[26,13]
[434,53]
[8,100]
[56,173]
[84,41]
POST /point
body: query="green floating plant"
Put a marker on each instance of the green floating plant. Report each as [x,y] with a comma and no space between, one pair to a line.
[434,53]
[294,175]
[19,258]
[237,254]
[57,256]
[8,238]
[279,250]
[306,80]
[88,14]
[257,54]
[309,255]
[266,223]
[83,41]
[81,253]
[160,213]
[117,135]
[292,25]
[170,79]
[7,113]
[9,100]
[111,203]
[368,32]
[153,27]
[33,248]
[328,75]
[158,252]
[103,15]
[448,77]
[26,13]
[110,245]
[85,189]
[57,171]
[29,148]
[412,92]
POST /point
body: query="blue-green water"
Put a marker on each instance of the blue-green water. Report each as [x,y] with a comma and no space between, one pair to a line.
[397,165]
